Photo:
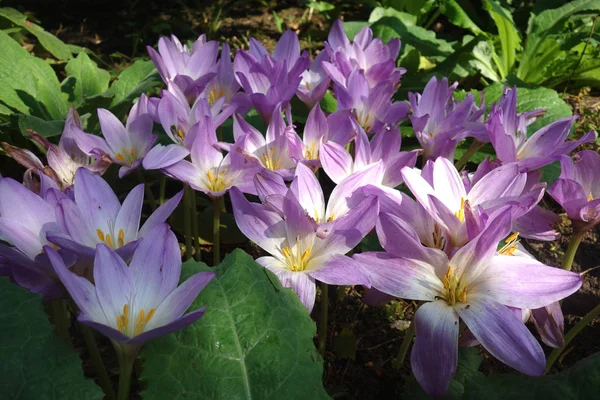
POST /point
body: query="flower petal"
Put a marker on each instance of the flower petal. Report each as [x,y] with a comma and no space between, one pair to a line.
[113,282]
[340,270]
[503,335]
[434,355]
[400,277]
[161,214]
[129,215]
[172,326]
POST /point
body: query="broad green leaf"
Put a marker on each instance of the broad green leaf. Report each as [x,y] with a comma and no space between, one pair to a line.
[541,27]
[138,78]
[29,84]
[482,60]
[551,172]
[508,33]
[423,39]
[36,364]
[457,15]
[90,80]
[54,45]
[41,126]
[380,12]
[353,27]
[253,342]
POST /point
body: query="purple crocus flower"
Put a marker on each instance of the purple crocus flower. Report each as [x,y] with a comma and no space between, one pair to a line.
[476,285]
[25,218]
[278,150]
[307,190]
[96,216]
[375,59]
[271,80]
[63,159]
[315,82]
[298,255]
[338,163]
[211,172]
[439,121]
[371,106]
[189,69]
[578,188]
[124,145]
[461,212]
[136,303]
[508,134]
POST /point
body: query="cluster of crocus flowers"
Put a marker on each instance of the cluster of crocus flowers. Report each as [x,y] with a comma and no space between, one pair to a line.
[67,232]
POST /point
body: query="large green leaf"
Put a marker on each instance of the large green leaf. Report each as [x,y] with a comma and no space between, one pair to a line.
[28,84]
[353,27]
[35,363]
[510,41]
[254,342]
[541,27]
[483,54]
[54,45]
[422,39]
[41,126]
[90,80]
[139,77]
[458,16]
[380,12]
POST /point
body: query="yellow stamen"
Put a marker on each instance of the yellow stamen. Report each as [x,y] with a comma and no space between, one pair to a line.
[590,197]
[296,262]
[460,214]
[307,85]
[455,291]
[123,319]
[100,234]
[331,218]
[132,153]
[120,157]
[109,241]
[269,159]
[510,245]
[121,238]
[180,134]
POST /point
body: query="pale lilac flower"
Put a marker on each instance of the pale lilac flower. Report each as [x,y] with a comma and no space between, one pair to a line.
[578,188]
[96,216]
[508,134]
[278,150]
[298,255]
[439,121]
[376,60]
[372,107]
[476,285]
[271,80]
[211,172]
[124,145]
[338,163]
[441,191]
[136,303]
[188,69]
[315,82]
[25,218]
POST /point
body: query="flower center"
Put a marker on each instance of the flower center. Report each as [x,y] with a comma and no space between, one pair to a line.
[438,237]
[126,156]
[311,153]
[590,197]
[214,95]
[296,261]
[216,182]
[454,290]
[269,160]
[140,322]
[108,239]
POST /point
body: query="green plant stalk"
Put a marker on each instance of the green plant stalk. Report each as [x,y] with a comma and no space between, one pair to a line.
[61,320]
[196,236]
[475,146]
[126,361]
[324,315]
[572,249]
[90,342]
[187,221]
[410,332]
[161,193]
[216,230]
[571,335]
[147,190]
